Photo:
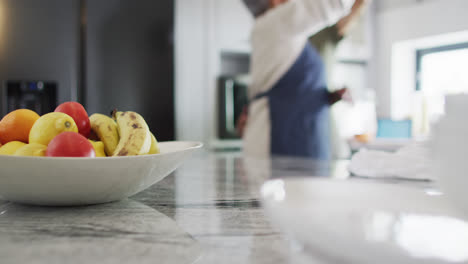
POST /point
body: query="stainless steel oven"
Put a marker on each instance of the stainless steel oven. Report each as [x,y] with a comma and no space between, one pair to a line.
[232,98]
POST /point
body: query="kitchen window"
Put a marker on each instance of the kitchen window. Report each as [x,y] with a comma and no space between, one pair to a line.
[440,71]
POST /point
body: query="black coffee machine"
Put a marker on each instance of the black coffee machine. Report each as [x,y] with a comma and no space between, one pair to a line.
[39,96]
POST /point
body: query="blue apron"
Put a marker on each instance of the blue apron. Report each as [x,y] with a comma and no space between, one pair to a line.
[299,110]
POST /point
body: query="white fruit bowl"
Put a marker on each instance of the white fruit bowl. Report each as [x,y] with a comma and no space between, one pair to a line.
[84,181]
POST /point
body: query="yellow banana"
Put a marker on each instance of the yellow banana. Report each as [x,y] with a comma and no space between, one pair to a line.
[135,137]
[32,149]
[107,131]
[154,149]
[11,147]
[98,148]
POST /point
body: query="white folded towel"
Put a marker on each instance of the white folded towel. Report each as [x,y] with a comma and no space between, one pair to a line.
[410,162]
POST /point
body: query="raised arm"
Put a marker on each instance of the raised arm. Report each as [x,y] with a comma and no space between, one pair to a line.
[344,23]
[300,18]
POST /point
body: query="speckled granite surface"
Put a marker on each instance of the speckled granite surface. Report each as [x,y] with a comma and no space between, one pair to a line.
[208,211]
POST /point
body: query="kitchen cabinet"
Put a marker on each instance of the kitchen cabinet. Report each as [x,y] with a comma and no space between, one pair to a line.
[233,25]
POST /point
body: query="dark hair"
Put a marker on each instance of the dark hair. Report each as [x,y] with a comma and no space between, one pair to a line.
[257,7]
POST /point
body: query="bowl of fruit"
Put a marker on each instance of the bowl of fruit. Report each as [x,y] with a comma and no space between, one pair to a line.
[66,158]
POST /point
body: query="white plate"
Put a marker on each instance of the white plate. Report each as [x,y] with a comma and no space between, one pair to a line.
[363,222]
[81,181]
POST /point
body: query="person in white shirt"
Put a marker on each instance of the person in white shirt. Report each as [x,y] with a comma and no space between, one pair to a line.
[289,101]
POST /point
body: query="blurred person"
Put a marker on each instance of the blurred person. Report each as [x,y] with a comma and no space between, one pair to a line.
[288,113]
[326,42]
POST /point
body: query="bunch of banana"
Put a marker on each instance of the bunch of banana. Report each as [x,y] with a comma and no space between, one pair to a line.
[126,134]
[135,136]
[106,130]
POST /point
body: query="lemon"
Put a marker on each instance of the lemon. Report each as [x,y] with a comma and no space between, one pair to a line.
[50,125]
[32,149]
[98,148]
[154,145]
[11,147]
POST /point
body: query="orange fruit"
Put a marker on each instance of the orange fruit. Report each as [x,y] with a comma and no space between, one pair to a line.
[16,125]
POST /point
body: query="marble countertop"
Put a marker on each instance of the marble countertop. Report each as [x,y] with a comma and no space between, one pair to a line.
[208,211]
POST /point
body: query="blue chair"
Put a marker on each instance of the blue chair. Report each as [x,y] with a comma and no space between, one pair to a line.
[388,128]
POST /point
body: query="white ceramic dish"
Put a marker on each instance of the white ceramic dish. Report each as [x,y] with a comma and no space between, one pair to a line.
[363,222]
[82,181]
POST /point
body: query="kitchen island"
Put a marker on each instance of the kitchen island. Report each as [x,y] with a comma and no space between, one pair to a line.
[207,211]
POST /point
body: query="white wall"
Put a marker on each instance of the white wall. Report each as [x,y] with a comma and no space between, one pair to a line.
[408,22]
[191,66]
[204,28]
[385,5]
